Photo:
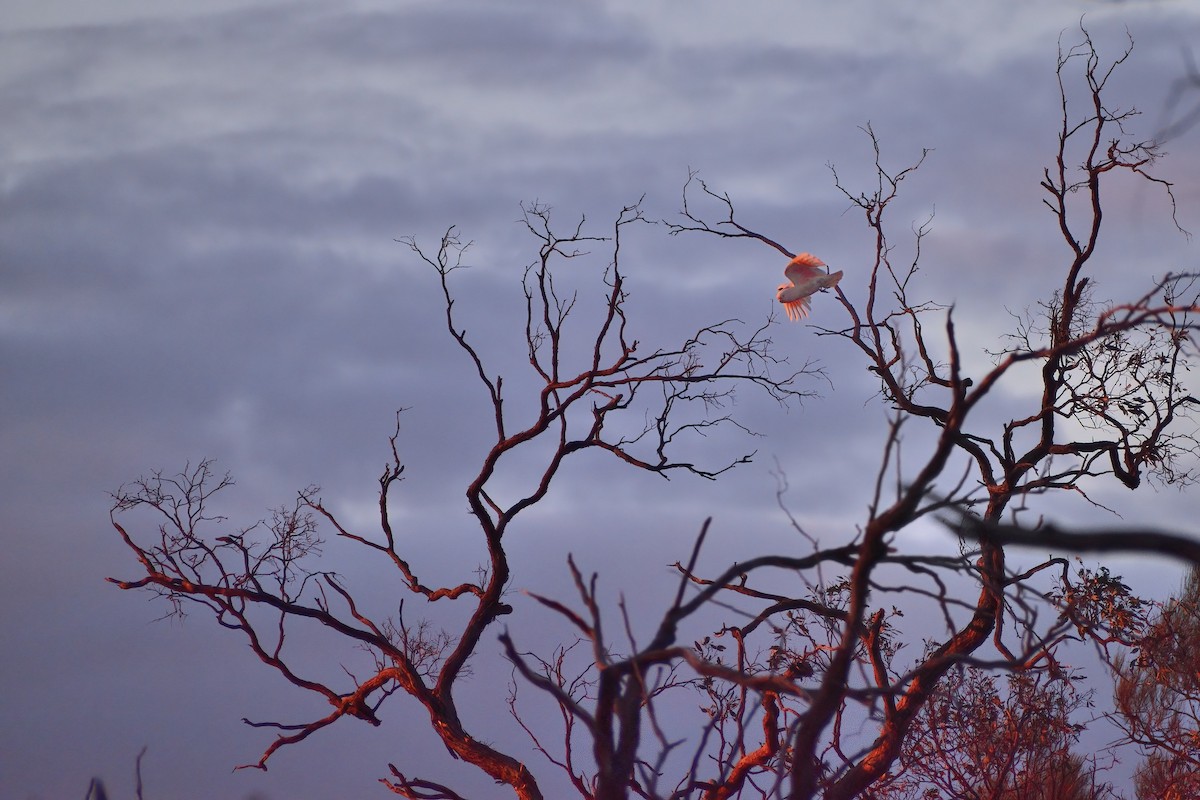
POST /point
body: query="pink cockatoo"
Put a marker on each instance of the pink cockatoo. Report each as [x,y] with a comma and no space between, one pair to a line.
[804,272]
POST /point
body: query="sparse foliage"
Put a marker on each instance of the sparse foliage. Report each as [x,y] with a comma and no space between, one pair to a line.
[973,740]
[1158,698]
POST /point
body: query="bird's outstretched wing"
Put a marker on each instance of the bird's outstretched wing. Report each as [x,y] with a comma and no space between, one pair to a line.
[797,309]
[803,268]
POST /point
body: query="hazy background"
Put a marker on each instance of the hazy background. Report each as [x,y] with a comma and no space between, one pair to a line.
[198,208]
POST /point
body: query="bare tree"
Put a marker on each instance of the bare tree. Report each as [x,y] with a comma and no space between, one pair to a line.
[614,394]
[807,695]
[805,686]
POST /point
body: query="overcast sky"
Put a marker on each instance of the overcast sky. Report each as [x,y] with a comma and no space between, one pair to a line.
[199,204]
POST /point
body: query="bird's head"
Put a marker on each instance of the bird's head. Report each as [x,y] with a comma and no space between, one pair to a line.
[782,288]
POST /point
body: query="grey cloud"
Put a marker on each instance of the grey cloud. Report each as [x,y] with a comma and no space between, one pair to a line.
[196,259]
[483,43]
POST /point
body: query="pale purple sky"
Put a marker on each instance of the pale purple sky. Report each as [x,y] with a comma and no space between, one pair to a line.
[198,208]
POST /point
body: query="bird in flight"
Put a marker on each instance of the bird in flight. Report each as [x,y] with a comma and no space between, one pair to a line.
[804,272]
